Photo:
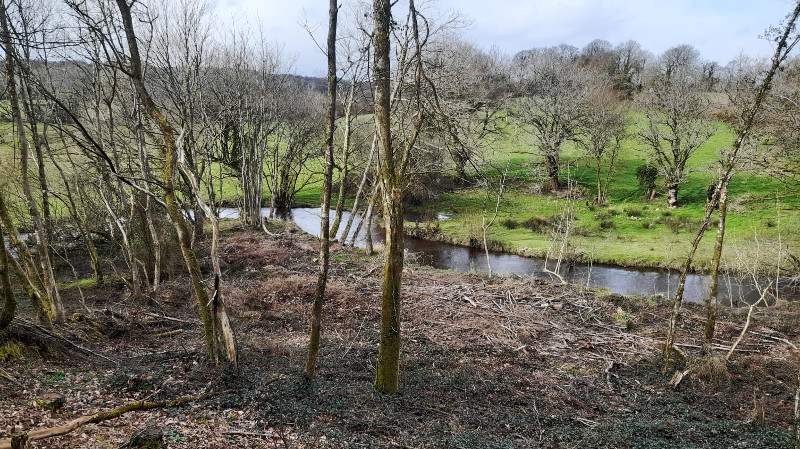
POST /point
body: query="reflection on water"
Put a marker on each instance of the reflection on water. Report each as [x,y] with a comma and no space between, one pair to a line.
[620,280]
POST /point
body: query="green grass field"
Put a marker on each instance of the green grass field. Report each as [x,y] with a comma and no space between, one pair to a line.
[630,231]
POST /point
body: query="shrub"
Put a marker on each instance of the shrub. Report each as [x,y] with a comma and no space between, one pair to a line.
[509,223]
[646,175]
[604,215]
[647,224]
[539,224]
[580,231]
[633,211]
[607,224]
[674,224]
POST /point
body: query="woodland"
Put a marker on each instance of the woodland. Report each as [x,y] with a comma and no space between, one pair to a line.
[153,293]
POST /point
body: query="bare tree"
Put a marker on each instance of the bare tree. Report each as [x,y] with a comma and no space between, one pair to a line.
[676,109]
[605,129]
[486,225]
[556,92]
[325,207]
[748,95]
[52,298]
[728,163]
[631,61]
[215,340]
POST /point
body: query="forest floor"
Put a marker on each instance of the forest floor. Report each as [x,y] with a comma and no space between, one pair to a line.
[486,363]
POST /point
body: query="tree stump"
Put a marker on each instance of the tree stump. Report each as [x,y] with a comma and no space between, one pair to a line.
[151,437]
[53,401]
[20,441]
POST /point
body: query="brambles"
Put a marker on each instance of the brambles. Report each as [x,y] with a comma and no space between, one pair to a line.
[539,224]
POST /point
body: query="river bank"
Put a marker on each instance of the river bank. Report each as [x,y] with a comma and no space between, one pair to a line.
[631,233]
[647,282]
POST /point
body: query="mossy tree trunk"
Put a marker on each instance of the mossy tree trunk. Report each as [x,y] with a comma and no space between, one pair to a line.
[796,427]
[672,194]
[25,267]
[552,159]
[325,207]
[392,168]
[387,375]
[9,302]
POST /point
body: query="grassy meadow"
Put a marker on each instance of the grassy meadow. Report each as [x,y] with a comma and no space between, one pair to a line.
[630,231]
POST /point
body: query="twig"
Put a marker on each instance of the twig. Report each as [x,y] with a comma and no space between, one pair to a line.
[782,340]
[249,434]
[677,378]
[747,322]
[353,341]
[177,320]
[168,333]
[8,377]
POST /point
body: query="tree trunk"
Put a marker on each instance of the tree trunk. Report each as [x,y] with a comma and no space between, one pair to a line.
[672,195]
[325,207]
[388,369]
[796,429]
[147,175]
[367,221]
[7,298]
[135,285]
[388,366]
[54,299]
[600,200]
[348,121]
[364,177]
[252,185]
[713,301]
[25,268]
[669,341]
[554,184]
[80,219]
[221,327]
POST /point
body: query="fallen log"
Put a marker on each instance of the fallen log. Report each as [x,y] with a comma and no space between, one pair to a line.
[105,415]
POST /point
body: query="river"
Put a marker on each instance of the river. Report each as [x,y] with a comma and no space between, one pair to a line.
[617,279]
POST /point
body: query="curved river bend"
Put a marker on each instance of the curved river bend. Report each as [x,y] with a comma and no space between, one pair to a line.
[620,280]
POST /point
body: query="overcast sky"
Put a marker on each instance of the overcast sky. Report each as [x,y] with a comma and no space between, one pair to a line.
[719,29]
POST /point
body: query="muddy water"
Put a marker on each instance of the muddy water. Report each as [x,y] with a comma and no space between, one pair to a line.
[621,280]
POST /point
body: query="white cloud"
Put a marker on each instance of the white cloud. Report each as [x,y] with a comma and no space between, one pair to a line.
[719,29]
